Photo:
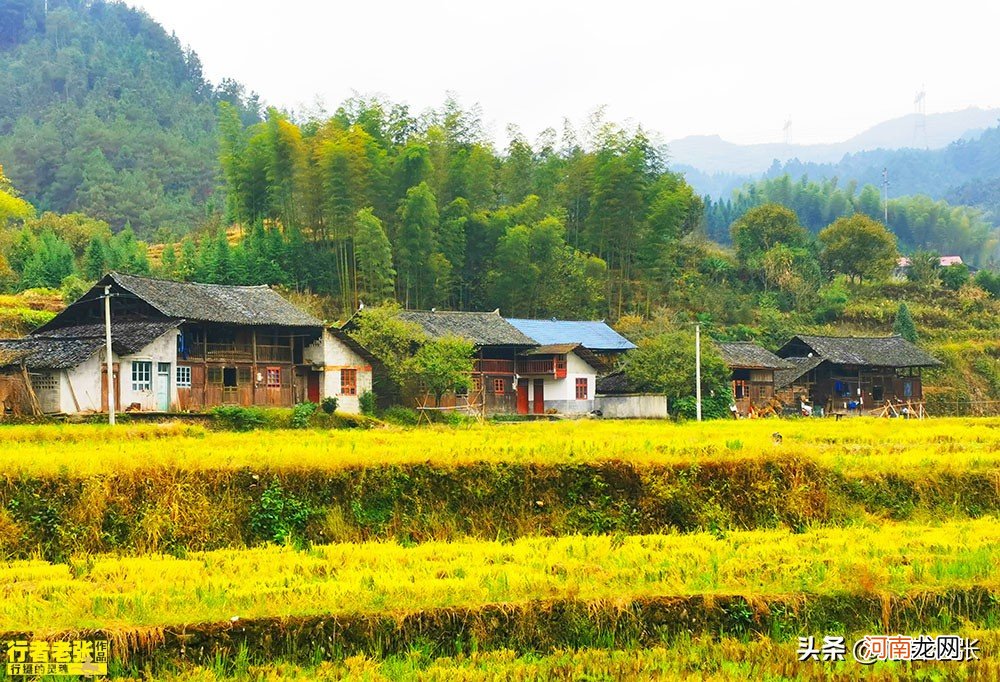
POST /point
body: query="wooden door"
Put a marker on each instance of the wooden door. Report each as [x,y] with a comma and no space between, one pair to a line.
[522,396]
[313,387]
[539,396]
[104,387]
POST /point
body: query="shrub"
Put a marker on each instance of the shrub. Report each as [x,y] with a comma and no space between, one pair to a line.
[329,405]
[402,416]
[301,414]
[366,401]
[278,516]
[235,418]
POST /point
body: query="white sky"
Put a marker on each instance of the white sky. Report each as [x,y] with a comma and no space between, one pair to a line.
[735,68]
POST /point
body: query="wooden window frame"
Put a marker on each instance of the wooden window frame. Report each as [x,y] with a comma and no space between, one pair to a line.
[348,387]
[498,387]
[584,383]
[183,378]
[272,377]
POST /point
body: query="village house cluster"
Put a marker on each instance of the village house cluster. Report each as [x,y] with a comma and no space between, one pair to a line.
[180,346]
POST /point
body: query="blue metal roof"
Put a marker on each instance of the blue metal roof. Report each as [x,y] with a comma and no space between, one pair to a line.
[596,336]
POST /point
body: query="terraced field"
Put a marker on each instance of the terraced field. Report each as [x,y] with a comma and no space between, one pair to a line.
[523,551]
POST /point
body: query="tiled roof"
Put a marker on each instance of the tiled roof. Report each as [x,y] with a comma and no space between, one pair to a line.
[595,335]
[67,347]
[745,355]
[249,305]
[884,351]
[482,329]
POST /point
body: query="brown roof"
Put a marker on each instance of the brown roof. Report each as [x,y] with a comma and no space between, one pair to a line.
[66,347]
[482,329]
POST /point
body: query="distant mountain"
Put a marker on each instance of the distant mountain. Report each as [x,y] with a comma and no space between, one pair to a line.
[710,154]
[102,111]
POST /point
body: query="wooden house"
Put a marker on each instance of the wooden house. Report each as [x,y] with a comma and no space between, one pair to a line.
[186,346]
[852,374]
[752,376]
[498,345]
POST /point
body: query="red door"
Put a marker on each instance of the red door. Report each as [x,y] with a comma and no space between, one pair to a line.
[522,396]
[313,387]
[539,396]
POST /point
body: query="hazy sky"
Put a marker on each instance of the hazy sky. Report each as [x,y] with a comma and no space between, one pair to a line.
[736,68]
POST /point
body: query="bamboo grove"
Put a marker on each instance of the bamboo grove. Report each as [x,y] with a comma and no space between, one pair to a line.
[377,203]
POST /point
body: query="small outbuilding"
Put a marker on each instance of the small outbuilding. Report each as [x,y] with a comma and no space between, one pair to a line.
[752,376]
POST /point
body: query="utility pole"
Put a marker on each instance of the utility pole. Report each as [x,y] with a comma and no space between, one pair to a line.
[107,351]
[697,370]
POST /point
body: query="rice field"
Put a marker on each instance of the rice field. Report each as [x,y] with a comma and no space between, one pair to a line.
[571,550]
[855,446]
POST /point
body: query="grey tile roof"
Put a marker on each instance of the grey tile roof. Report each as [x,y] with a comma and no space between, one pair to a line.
[884,351]
[67,347]
[798,368]
[745,355]
[249,305]
[595,335]
[483,329]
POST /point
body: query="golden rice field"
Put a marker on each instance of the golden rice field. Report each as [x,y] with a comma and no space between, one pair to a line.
[526,551]
[856,446]
[112,592]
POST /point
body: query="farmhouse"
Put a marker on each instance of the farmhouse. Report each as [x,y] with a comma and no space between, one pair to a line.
[498,345]
[562,371]
[752,377]
[185,346]
[852,374]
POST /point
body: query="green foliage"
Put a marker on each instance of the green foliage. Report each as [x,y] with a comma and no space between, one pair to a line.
[278,516]
[403,416]
[301,414]
[665,364]
[442,365]
[387,337]
[833,300]
[376,276]
[858,247]
[366,403]
[761,229]
[329,404]
[954,277]
[989,282]
[903,325]
[235,418]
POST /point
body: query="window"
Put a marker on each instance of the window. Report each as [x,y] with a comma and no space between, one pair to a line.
[183,377]
[348,382]
[142,375]
[498,387]
[582,388]
[740,389]
[477,384]
[273,375]
[215,375]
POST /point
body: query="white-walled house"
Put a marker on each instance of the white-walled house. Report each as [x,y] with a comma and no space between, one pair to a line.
[185,346]
[559,377]
[345,367]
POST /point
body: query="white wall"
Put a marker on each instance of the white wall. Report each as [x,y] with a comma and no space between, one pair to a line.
[333,355]
[561,393]
[638,406]
[163,349]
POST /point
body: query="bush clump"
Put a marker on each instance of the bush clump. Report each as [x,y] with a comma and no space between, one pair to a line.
[236,418]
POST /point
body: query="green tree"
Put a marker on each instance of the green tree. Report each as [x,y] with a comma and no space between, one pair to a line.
[443,365]
[954,277]
[763,228]
[416,243]
[374,259]
[903,325]
[665,364]
[390,339]
[858,247]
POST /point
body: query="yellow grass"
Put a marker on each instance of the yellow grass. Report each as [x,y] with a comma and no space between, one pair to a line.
[384,577]
[856,446]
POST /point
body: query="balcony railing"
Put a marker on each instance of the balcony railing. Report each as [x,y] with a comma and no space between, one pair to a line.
[239,351]
[494,366]
[554,366]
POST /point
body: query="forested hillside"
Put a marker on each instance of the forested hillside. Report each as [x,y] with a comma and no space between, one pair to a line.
[102,112]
